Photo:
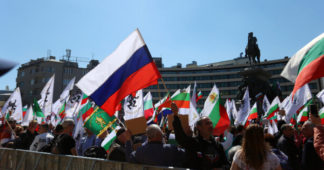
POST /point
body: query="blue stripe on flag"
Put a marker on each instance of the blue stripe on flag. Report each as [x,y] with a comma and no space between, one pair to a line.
[138,60]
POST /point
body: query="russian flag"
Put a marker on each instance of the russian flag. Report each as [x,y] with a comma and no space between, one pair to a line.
[128,69]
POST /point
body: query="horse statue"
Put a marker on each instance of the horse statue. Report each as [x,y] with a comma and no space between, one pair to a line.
[252,49]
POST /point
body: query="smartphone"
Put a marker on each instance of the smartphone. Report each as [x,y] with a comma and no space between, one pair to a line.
[313,110]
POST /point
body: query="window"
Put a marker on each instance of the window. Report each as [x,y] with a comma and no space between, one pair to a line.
[32,82]
[22,74]
[65,82]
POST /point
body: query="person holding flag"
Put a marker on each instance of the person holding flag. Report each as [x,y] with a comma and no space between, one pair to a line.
[202,150]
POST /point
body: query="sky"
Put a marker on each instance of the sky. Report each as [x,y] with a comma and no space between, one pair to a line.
[179,31]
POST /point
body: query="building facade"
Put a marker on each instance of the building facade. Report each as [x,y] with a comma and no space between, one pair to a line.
[224,74]
[33,76]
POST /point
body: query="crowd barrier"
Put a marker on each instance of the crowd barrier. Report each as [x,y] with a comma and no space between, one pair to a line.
[11,159]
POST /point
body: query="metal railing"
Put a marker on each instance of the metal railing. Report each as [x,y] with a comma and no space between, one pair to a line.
[12,159]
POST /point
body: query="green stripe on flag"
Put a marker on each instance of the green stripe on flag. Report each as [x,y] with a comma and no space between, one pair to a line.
[316,51]
[215,113]
[182,96]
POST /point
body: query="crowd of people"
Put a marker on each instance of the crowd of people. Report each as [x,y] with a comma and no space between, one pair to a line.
[238,148]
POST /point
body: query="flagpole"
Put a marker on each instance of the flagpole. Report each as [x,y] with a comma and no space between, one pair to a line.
[10,128]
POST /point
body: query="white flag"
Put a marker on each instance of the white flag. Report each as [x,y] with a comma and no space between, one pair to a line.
[274,126]
[29,116]
[244,108]
[13,106]
[301,97]
[193,96]
[78,130]
[47,97]
[320,96]
[270,128]
[66,92]
[265,104]
[231,109]
[134,106]
[72,106]
[57,106]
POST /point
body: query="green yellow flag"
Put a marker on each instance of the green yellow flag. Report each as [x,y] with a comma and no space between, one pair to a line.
[99,121]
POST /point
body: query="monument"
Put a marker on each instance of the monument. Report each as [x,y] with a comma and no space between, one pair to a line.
[256,78]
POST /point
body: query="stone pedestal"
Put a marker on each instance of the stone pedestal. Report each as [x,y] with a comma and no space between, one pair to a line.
[257,79]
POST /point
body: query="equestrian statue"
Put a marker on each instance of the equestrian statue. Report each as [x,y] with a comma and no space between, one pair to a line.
[252,49]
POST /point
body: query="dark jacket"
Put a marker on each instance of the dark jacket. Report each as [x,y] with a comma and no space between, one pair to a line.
[159,154]
[287,146]
[200,153]
[24,140]
[117,151]
[310,160]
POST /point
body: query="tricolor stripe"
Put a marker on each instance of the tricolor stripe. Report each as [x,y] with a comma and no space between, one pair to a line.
[321,115]
[307,64]
[128,69]
[148,106]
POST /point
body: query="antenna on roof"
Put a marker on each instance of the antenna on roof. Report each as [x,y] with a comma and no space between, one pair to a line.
[68,54]
[49,53]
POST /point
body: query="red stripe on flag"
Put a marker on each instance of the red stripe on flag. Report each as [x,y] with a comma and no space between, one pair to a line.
[223,122]
[182,103]
[87,114]
[312,71]
[84,101]
[144,77]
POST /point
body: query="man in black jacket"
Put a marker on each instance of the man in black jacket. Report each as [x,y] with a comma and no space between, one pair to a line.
[310,160]
[287,145]
[26,139]
[202,151]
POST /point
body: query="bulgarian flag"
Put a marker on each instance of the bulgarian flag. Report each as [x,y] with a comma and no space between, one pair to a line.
[24,109]
[164,103]
[214,109]
[148,106]
[274,118]
[199,95]
[182,98]
[253,114]
[303,115]
[321,115]
[274,107]
[111,137]
[307,64]
[85,108]
[62,111]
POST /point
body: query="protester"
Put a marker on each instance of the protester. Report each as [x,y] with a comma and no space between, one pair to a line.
[255,152]
[26,138]
[117,151]
[318,136]
[64,143]
[155,152]
[238,135]
[202,151]
[279,133]
[42,139]
[271,140]
[87,141]
[56,132]
[7,133]
[95,152]
[287,145]
[310,160]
